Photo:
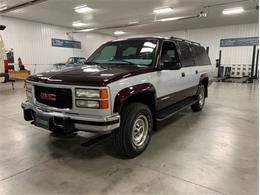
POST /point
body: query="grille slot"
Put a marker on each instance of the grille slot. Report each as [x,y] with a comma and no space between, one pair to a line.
[54,97]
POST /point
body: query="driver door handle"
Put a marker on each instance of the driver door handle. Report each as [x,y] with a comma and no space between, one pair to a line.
[183,74]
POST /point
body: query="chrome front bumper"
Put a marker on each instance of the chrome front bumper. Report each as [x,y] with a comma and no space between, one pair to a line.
[79,122]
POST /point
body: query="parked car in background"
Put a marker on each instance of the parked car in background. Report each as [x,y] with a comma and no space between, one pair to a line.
[71,62]
[126,87]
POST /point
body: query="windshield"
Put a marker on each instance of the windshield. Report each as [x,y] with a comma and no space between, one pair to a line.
[131,52]
[70,61]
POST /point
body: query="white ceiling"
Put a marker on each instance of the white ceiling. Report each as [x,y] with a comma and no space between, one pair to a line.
[108,13]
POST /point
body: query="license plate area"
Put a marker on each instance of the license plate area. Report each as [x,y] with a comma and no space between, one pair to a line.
[42,121]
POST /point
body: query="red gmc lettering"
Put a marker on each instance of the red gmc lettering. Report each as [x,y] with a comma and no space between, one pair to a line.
[47,96]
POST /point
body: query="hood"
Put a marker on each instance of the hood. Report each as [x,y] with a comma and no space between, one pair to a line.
[92,75]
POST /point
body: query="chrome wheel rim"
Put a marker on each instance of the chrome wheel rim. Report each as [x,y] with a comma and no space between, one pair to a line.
[140,130]
[201,97]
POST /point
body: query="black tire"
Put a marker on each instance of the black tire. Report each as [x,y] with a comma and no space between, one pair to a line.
[198,106]
[125,138]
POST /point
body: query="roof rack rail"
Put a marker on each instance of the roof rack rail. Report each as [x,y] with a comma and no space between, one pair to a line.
[184,40]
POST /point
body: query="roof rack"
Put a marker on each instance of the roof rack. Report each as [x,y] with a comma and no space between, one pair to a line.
[184,40]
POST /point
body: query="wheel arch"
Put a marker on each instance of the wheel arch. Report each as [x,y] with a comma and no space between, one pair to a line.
[144,93]
[204,80]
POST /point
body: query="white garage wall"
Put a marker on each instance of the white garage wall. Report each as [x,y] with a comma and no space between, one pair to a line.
[32,42]
[211,37]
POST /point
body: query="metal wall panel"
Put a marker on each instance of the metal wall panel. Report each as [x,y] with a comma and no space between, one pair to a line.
[211,37]
[32,41]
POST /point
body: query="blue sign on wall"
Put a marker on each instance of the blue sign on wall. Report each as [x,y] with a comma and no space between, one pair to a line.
[65,43]
[239,42]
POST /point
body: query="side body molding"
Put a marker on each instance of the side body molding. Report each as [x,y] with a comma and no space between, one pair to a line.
[129,92]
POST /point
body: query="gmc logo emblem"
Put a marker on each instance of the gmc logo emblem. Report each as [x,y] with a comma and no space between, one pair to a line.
[48,96]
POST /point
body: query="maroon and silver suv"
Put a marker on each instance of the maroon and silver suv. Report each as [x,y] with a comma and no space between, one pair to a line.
[125,87]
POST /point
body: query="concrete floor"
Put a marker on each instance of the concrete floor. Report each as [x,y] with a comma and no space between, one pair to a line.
[212,152]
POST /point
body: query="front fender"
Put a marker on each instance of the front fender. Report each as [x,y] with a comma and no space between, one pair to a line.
[129,92]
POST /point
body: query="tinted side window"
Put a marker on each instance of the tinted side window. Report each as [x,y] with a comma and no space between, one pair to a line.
[201,55]
[169,53]
[186,56]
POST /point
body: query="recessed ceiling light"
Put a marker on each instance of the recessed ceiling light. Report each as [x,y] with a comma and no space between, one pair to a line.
[236,10]
[87,30]
[82,9]
[162,10]
[78,24]
[119,32]
[169,19]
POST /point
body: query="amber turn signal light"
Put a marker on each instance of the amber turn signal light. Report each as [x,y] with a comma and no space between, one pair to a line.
[103,104]
[103,94]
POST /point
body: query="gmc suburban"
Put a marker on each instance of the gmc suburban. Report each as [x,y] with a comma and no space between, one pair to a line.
[125,88]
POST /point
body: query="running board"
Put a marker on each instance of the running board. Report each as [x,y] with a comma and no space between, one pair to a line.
[170,111]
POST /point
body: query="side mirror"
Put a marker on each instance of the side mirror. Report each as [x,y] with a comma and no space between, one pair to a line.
[170,65]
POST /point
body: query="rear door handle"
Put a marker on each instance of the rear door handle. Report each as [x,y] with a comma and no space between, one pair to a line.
[197,72]
[183,74]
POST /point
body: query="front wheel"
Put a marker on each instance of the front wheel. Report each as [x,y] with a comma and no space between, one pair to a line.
[198,106]
[134,134]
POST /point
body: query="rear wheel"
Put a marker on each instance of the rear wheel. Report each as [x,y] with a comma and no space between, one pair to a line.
[134,134]
[198,106]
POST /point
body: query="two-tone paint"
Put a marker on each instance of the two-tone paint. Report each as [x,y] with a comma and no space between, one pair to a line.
[165,87]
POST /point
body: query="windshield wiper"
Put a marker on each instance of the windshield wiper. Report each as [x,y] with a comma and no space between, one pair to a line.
[122,60]
[91,63]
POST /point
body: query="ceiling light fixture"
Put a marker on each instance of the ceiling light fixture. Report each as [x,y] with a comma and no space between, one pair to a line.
[78,24]
[119,32]
[134,22]
[87,30]
[82,9]
[3,7]
[236,10]
[168,19]
[162,10]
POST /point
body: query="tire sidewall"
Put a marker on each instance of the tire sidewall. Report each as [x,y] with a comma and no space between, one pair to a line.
[201,89]
[146,112]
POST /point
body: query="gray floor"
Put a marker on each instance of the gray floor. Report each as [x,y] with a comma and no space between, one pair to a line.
[212,152]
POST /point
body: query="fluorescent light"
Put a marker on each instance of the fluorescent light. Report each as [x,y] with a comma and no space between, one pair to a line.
[168,19]
[134,22]
[119,32]
[236,10]
[82,9]
[87,30]
[162,10]
[78,24]
[3,7]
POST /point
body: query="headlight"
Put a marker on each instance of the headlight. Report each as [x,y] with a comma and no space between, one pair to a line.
[92,98]
[87,104]
[28,86]
[87,93]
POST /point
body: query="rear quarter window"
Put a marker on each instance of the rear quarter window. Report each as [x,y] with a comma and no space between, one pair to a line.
[200,54]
